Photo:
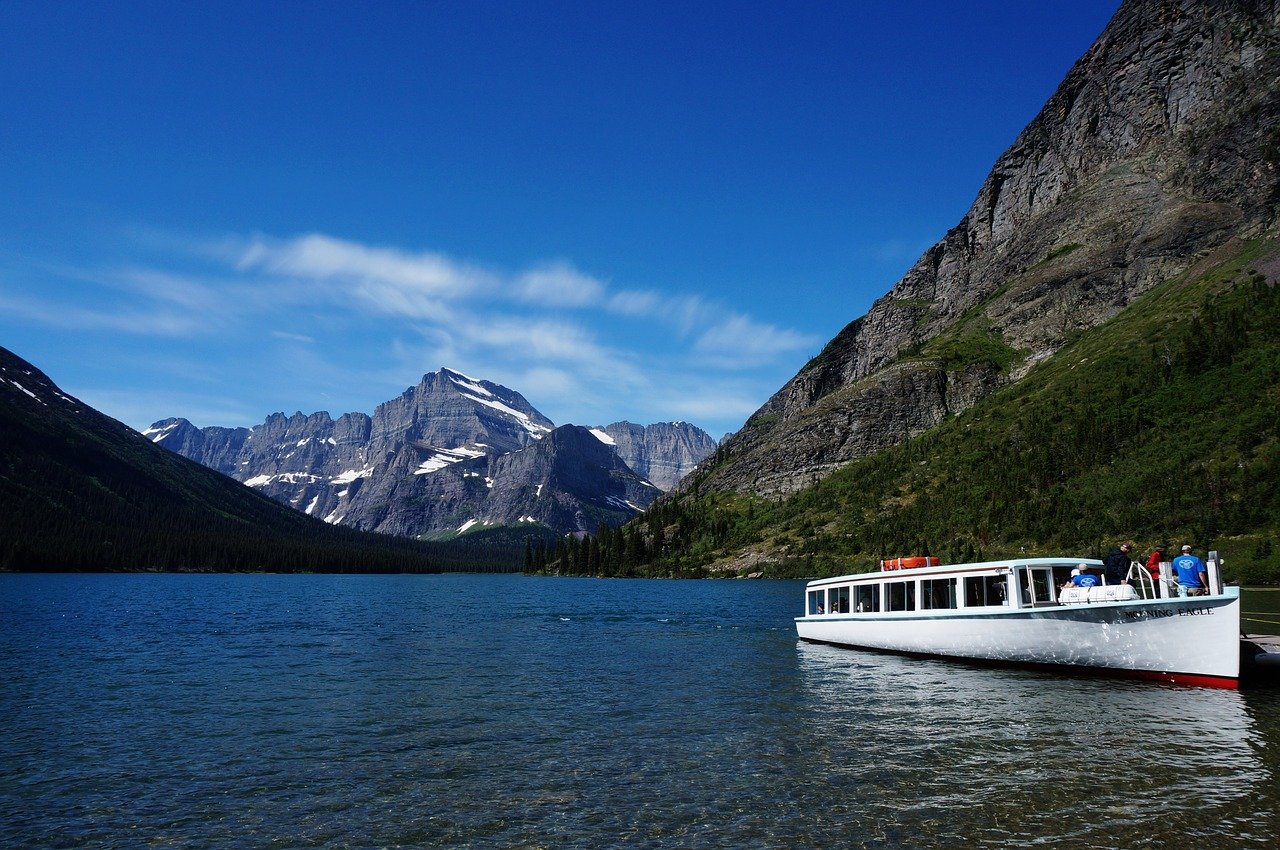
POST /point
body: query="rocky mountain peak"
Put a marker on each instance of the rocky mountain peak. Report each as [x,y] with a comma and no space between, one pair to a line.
[451,454]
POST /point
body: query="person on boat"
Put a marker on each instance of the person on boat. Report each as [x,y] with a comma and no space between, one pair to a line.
[1116,565]
[1153,562]
[1081,577]
[1193,577]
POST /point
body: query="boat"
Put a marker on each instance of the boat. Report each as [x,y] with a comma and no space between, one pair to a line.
[1017,612]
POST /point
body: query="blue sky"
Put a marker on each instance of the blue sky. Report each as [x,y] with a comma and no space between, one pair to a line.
[644,211]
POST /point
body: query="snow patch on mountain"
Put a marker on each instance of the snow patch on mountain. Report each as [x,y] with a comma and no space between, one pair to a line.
[467,383]
[536,430]
[351,475]
[158,434]
[446,457]
[286,477]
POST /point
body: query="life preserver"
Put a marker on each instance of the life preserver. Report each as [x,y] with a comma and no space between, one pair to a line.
[913,562]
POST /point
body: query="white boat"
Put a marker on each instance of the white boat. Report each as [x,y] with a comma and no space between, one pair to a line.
[1016,612]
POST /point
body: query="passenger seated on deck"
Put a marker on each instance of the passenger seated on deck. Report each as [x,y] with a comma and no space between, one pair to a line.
[1080,578]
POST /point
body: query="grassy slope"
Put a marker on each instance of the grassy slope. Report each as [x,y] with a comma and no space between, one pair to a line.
[1160,426]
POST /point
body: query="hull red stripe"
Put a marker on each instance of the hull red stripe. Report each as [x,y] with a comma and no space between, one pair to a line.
[1198,680]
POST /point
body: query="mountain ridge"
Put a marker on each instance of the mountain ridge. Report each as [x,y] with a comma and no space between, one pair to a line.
[445,457]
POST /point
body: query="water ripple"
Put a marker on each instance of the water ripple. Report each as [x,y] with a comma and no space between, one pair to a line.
[501,711]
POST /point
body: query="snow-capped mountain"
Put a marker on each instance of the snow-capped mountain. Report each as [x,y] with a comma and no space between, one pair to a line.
[452,454]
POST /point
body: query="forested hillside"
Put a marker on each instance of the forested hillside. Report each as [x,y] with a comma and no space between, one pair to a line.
[1162,426]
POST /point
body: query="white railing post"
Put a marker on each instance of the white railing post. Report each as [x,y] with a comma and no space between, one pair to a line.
[1215,577]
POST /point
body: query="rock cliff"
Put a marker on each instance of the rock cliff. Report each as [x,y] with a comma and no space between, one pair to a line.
[1159,146]
[663,453]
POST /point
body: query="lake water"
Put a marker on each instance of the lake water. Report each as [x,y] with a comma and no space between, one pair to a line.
[265,711]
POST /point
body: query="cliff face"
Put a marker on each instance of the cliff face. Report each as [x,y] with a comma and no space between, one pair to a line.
[1159,146]
[451,454]
[663,453]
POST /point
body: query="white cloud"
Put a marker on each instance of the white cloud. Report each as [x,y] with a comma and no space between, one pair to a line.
[145,322]
[711,403]
[400,276]
[742,342]
[558,285]
[292,337]
[544,382]
[362,319]
[639,304]
[541,340]
[683,312]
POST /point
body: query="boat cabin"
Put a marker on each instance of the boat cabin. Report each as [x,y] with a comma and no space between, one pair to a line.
[1024,583]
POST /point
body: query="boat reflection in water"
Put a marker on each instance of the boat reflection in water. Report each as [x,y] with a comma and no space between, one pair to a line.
[941,753]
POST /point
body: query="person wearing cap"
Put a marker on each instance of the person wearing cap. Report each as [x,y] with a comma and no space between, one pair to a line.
[1193,577]
[1116,565]
[1080,577]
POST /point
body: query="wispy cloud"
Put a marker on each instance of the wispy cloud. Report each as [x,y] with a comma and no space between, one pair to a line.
[558,285]
[741,342]
[143,322]
[292,337]
[321,257]
[340,311]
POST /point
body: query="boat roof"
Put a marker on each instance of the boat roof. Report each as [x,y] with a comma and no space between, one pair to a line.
[943,569]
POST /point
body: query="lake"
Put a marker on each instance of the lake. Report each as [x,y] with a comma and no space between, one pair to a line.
[510,711]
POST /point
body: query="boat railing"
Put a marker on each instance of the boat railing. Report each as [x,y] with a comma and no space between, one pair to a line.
[1163,588]
[1141,576]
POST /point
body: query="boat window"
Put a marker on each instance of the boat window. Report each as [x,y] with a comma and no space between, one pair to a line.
[1041,586]
[815,602]
[980,591]
[868,597]
[1062,575]
[902,595]
[838,600]
[938,593]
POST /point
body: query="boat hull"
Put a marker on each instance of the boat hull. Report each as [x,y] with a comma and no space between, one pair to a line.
[1194,640]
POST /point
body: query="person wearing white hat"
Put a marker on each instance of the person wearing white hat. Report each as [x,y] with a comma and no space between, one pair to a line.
[1081,577]
[1193,577]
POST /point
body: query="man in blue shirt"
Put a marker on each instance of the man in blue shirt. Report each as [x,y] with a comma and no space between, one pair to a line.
[1193,579]
[1080,578]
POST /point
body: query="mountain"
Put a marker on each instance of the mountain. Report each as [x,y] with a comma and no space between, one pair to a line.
[662,453]
[1160,147]
[339,469]
[452,455]
[81,491]
[1088,355]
